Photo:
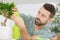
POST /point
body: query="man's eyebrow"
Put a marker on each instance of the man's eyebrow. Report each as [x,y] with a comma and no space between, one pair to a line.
[43,14]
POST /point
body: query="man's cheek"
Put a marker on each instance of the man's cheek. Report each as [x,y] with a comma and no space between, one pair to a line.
[43,21]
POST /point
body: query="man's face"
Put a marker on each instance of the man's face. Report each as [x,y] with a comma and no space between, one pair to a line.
[42,17]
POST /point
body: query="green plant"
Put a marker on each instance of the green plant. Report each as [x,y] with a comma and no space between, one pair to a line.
[6,9]
[56,22]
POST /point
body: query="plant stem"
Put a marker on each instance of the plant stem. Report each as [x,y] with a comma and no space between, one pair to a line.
[4,22]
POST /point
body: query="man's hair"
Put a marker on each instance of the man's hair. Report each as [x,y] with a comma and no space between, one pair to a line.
[50,8]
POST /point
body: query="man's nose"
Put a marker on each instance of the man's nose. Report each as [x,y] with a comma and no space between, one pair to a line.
[39,16]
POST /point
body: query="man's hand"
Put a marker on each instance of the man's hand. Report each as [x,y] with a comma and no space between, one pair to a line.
[53,38]
[15,9]
[18,21]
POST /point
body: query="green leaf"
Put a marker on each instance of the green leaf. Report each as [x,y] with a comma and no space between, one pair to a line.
[6,8]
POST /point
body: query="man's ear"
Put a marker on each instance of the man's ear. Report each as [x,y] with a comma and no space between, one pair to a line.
[49,19]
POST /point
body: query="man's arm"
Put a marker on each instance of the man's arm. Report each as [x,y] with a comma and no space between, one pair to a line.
[22,27]
[26,36]
[20,23]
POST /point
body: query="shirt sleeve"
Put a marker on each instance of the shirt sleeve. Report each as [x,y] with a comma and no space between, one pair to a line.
[25,17]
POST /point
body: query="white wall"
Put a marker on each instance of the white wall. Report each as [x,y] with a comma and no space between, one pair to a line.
[29,9]
[30,1]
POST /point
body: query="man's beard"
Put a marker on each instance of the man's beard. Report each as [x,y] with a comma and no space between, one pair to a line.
[39,23]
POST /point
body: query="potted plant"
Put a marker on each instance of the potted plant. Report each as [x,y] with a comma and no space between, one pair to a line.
[56,23]
[6,10]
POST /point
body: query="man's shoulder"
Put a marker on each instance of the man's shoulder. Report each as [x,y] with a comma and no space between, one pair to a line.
[26,17]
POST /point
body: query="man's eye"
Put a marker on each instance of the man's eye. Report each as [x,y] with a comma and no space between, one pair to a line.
[43,16]
[39,12]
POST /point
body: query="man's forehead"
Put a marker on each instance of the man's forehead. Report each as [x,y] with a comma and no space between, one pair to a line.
[43,10]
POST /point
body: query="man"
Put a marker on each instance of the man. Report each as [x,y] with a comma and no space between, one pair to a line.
[32,28]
